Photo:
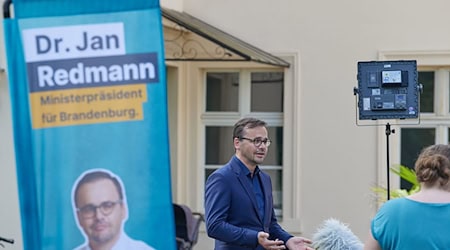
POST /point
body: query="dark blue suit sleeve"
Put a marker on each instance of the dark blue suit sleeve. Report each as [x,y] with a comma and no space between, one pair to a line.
[276,231]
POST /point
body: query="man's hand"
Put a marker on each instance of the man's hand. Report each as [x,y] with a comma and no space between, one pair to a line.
[263,240]
[299,243]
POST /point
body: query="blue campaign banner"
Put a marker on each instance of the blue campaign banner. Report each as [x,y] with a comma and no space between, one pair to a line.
[88,94]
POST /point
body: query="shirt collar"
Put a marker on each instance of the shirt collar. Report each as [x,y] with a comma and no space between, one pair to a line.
[244,168]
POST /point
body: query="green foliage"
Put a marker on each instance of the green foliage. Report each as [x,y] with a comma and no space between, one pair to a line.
[406,174]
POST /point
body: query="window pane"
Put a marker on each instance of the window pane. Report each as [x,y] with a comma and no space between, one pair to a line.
[426,78]
[219,145]
[412,142]
[267,91]
[277,190]
[448,138]
[275,154]
[222,91]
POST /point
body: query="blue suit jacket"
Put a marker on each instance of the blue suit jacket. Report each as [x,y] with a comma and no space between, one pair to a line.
[231,211]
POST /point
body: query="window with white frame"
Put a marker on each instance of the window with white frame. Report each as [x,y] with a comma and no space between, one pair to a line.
[232,94]
[434,124]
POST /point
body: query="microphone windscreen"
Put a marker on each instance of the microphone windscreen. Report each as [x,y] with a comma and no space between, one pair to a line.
[335,235]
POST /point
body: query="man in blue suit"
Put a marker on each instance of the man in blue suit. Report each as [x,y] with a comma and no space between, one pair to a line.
[238,197]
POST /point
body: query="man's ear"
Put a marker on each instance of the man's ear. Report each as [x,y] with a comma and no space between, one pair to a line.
[236,143]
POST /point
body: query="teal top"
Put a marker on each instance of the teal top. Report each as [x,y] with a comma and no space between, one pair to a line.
[406,224]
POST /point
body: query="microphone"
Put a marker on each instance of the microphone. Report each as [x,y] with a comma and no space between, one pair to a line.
[10,241]
[334,235]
